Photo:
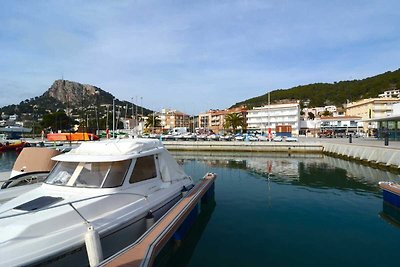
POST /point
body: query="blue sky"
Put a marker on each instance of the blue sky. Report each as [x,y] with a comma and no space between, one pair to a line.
[193,55]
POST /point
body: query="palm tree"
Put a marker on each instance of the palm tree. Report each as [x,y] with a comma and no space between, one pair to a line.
[152,121]
[234,120]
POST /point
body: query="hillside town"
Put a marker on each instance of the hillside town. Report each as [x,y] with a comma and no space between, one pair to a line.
[372,117]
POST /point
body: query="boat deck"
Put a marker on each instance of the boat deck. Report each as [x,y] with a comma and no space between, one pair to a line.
[144,251]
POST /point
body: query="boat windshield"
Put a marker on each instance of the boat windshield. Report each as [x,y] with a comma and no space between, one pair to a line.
[89,174]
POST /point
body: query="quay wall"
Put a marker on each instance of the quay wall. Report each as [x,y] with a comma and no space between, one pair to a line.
[383,156]
[240,146]
[375,155]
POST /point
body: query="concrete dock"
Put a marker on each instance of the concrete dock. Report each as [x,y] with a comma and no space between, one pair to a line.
[371,151]
[244,146]
[144,251]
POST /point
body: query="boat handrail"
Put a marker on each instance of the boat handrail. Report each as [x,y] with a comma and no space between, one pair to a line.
[68,203]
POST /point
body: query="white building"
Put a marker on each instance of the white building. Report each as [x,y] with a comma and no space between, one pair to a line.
[319,111]
[13,117]
[396,109]
[310,127]
[341,125]
[262,118]
[390,93]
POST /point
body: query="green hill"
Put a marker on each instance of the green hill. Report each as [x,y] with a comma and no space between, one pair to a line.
[338,93]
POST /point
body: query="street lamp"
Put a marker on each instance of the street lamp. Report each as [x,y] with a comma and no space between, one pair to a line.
[113,124]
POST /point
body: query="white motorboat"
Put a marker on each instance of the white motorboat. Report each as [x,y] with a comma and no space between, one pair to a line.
[111,186]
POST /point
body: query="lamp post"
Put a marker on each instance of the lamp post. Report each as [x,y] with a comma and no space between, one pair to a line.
[113,124]
[153,124]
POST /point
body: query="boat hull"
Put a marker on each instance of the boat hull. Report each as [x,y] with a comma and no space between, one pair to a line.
[112,242]
[12,146]
[391,193]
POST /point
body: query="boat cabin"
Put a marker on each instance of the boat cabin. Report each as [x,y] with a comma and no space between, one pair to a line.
[105,165]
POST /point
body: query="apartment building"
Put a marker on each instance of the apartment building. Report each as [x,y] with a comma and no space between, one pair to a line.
[371,108]
[390,93]
[262,118]
[171,118]
[215,119]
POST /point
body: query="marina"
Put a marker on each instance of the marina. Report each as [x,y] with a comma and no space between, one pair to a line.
[272,203]
[208,133]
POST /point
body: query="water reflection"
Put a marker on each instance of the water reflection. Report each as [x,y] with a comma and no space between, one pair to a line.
[308,170]
[269,204]
[390,214]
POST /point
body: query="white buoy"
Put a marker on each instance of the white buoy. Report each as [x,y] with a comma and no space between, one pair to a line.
[93,246]
[149,220]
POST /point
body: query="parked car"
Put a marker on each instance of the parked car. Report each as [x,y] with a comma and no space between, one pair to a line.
[226,138]
[201,137]
[250,137]
[277,139]
[291,139]
[262,138]
[213,137]
[239,137]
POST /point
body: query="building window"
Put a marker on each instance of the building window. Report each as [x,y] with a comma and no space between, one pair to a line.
[145,168]
[391,125]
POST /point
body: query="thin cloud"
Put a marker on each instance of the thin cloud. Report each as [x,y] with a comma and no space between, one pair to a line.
[210,54]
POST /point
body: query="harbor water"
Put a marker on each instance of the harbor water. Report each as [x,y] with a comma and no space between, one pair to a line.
[281,210]
[7,160]
[276,210]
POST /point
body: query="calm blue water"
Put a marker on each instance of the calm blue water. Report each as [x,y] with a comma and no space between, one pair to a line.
[275,210]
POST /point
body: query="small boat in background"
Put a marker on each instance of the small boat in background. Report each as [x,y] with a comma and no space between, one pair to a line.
[72,137]
[31,166]
[29,171]
[7,146]
[391,193]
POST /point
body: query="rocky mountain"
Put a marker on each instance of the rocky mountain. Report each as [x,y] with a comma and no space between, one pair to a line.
[73,97]
[74,93]
[337,93]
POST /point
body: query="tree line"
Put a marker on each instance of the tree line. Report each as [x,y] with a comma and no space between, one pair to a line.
[337,93]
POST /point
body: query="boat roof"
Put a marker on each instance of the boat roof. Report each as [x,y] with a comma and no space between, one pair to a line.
[35,159]
[111,150]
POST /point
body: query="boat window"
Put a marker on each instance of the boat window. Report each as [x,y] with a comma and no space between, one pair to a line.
[145,168]
[92,174]
[61,173]
[89,174]
[117,173]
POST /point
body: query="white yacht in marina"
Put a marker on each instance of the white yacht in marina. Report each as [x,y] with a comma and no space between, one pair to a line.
[111,186]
